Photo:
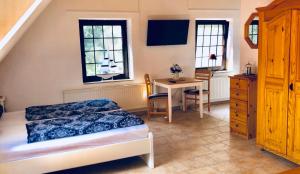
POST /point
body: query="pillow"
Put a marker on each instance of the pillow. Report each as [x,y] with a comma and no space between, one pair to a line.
[1,110]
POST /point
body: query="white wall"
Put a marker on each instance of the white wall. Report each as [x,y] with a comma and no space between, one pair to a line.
[248,54]
[47,59]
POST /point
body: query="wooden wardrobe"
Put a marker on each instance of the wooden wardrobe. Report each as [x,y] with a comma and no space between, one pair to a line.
[278,107]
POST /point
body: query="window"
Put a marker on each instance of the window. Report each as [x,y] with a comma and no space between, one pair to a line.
[253,32]
[104,51]
[211,39]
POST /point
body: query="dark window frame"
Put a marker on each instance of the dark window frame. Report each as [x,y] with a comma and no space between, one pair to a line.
[123,24]
[252,34]
[225,38]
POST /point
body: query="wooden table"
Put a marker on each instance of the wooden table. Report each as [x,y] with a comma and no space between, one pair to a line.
[184,83]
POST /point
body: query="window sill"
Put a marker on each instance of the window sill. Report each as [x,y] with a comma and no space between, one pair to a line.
[222,73]
[108,81]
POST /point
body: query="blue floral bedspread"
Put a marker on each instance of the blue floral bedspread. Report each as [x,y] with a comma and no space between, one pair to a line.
[42,130]
[69,109]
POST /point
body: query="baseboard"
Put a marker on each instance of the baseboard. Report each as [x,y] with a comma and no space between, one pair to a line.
[143,111]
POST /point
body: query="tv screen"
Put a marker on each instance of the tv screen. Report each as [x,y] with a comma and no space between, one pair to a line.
[167,32]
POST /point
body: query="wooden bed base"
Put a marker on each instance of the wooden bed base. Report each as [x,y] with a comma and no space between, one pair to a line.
[82,157]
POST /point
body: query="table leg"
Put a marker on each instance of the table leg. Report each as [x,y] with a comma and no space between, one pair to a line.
[200,101]
[155,88]
[170,104]
[183,99]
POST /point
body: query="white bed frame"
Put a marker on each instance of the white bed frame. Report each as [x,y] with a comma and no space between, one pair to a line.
[82,157]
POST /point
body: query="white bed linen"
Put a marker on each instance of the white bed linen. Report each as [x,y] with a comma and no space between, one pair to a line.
[14,146]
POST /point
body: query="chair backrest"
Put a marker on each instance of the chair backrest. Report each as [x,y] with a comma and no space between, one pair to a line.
[204,74]
[148,84]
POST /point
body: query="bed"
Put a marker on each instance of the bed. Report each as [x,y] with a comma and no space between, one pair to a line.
[19,156]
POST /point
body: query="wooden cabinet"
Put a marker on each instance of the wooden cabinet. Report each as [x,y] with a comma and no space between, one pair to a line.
[293,142]
[243,105]
[278,104]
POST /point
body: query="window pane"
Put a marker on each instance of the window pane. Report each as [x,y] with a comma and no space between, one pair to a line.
[98,33]
[104,69]
[98,69]
[206,41]
[199,52]
[106,56]
[88,44]
[89,57]
[200,29]
[254,39]
[205,51]
[198,62]
[250,29]
[117,44]
[99,44]
[213,50]
[119,69]
[255,29]
[88,31]
[219,61]
[213,63]
[107,30]
[111,55]
[199,40]
[99,55]
[207,30]
[118,56]
[214,40]
[220,29]
[205,62]
[117,31]
[219,50]
[108,44]
[220,40]
[90,69]
[215,30]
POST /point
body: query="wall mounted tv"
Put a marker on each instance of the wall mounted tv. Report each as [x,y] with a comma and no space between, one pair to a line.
[167,32]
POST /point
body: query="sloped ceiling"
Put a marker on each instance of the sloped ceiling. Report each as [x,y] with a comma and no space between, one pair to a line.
[20,27]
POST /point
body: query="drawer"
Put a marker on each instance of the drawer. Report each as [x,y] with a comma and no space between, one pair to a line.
[239,127]
[237,83]
[238,115]
[239,105]
[239,94]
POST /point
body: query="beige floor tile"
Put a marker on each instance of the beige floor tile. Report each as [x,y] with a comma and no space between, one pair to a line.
[191,145]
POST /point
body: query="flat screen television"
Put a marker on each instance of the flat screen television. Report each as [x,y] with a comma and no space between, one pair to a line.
[167,32]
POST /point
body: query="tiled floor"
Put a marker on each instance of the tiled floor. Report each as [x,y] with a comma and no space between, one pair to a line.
[194,145]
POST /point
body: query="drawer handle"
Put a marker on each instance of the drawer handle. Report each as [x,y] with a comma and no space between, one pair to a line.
[237,84]
[236,104]
[236,125]
[237,94]
[236,115]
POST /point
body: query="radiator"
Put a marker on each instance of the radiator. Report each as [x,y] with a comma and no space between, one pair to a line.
[220,89]
[133,96]
[129,97]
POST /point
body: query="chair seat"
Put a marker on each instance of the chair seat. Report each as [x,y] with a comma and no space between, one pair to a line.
[158,95]
[194,91]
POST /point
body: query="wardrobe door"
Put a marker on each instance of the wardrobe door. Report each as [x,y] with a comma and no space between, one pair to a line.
[294,94]
[275,51]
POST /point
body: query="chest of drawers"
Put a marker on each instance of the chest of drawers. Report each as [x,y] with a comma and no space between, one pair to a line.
[243,105]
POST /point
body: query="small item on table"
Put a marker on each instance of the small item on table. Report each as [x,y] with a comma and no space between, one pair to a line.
[175,70]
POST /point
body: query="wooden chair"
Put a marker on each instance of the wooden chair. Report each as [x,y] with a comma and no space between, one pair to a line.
[193,94]
[155,98]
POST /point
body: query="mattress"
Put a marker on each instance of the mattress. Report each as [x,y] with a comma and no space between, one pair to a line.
[14,146]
